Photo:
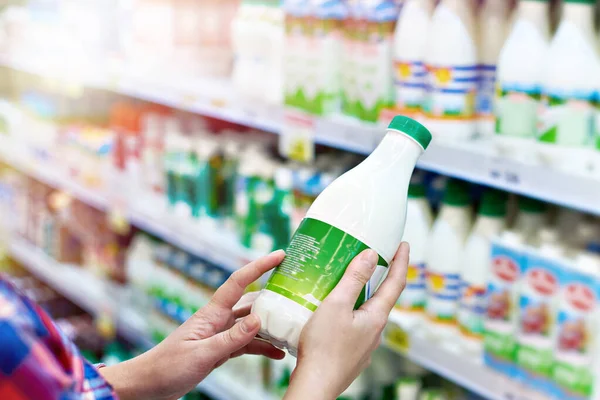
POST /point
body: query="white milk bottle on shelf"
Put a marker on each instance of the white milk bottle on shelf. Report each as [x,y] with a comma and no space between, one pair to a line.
[569,87]
[530,219]
[451,61]
[349,216]
[410,40]
[374,75]
[444,256]
[475,268]
[411,303]
[492,31]
[519,78]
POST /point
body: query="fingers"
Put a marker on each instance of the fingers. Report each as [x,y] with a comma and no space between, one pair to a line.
[243,307]
[233,289]
[261,348]
[355,278]
[386,296]
[237,337]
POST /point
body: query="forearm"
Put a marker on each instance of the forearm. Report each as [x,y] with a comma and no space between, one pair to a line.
[310,384]
[134,379]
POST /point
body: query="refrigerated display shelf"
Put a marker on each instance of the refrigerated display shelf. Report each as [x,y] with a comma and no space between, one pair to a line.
[95,295]
[475,161]
[456,366]
[92,294]
[147,212]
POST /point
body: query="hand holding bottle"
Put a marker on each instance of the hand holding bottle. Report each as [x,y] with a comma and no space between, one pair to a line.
[337,342]
[222,329]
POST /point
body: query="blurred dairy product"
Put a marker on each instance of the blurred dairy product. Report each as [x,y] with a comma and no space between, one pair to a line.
[410,39]
[531,217]
[444,255]
[570,82]
[538,306]
[492,31]
[418,225]
[502,315]
[575,342]
[520,66]
[350,59]
[451,61]
[475,268]
[374,75]
[332,236]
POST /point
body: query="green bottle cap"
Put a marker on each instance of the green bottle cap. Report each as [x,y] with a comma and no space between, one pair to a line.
[457,193]
[493,203]
[528,204]
[411,128]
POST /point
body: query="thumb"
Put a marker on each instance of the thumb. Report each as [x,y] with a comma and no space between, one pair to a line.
[238,336]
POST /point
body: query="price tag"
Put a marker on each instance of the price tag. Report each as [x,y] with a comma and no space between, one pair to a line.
[503,173]
[397,338]
[297,136]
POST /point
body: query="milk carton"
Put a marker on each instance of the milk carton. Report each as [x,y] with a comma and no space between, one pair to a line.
[374,71]
[538,303]
[507,264]
[575,342]
[296,54]
[350,59]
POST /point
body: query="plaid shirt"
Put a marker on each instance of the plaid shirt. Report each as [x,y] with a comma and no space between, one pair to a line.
[37,361]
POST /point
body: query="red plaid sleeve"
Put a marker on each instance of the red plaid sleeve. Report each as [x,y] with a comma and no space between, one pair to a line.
[38,362]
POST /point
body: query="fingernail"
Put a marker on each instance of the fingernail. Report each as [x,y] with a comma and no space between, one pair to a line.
[370,257]
[278,253]
[406,246]
[250,323]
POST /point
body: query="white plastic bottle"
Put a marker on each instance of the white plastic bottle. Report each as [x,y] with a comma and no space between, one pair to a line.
[475,269]
[350,215]
[519,78]
[444,256]
[419,218]
[451,60]
[410,39]
[570,83]
[531,218]
[492,31]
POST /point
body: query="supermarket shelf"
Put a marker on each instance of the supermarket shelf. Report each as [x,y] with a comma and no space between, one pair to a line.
[146,212]
[456,367]
[92,294]
[475,162]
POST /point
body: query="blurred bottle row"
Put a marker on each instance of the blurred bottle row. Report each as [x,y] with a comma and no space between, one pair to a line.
[524,73]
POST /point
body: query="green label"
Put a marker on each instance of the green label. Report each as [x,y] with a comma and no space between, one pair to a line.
[315,261]
[503,346]
[516,111]
[568,121]
[577,380]
[535,359]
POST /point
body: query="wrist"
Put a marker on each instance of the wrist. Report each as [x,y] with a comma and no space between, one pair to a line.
[311,383]
[133,379]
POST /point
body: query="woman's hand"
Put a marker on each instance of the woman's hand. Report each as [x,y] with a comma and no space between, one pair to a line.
[337,342]
[223,329]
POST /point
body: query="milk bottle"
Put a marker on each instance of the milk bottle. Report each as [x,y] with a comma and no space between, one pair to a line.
[374,73]
[531,217]
[349,216]
[570,82]
[410,40]
[445,247]
[492,31]
[451,61]
[475,268]
[418,225]
[520,67]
